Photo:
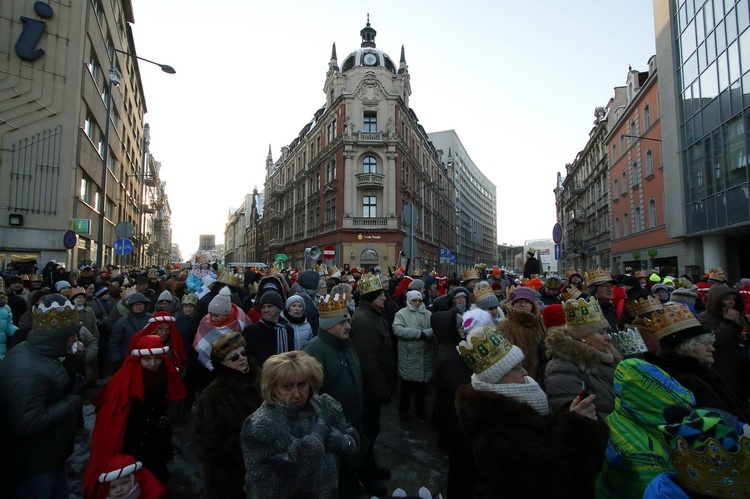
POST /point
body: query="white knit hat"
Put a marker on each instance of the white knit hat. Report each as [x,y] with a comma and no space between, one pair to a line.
[410,295]
[222,302]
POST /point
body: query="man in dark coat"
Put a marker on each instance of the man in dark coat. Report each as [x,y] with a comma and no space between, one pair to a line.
[307,288]
[272,334]
[373,346]
[532,265]
[38,404]
[633,292]
[126,327]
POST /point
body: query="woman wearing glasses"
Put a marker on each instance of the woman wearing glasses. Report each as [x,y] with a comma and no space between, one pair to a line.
[222,408]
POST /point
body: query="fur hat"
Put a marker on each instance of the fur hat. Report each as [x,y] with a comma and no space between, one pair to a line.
[476,317]
[416,284]
[522,293]
[225,344]
[308,280]
[222,302]
[410,295]
[553,315]
[59,285]
[294,299]
[458,291]
[165,296]
[553,281]
[271,297]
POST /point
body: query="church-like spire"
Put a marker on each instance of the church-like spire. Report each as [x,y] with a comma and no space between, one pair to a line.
[368,34]
[402,67]
[333,64]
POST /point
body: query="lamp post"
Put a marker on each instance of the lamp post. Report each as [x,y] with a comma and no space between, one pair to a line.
[114,79]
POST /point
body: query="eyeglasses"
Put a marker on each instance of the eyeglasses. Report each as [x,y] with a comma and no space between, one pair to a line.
[235,357]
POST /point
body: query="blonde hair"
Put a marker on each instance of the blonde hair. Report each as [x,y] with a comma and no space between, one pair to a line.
[283,367]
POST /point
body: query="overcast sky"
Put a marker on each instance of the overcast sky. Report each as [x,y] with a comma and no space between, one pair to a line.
[518,81]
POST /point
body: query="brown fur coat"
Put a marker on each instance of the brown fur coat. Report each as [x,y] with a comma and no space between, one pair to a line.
[525,330]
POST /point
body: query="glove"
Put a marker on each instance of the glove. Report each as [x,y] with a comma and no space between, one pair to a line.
[79,384]
[320,430]
[423,336]
[337,441]
[386,399]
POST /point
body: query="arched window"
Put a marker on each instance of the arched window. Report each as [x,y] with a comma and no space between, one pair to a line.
[369,256]
[370,165]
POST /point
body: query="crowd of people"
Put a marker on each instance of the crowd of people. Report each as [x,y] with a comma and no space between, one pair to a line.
[582,385]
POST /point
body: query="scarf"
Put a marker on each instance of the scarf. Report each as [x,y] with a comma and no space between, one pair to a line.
[604,357]
[529,393]
[292,319]
[208,332]
[282,338]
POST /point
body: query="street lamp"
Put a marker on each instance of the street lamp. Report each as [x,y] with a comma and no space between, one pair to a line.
[114,79]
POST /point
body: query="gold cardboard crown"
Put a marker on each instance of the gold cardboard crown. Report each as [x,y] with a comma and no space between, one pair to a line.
[232,279]
[481,292]
[573,272]
[321,269]
[23,277]
[470,274]
[510,289]
[333,306]
[483,349]
[670,319]
[640,273]
[583,314]
[78,290]
[643,305]
[570,293]
[56,316]
[684,283]
[369,283]
[713,471]
[717,274]
[189,299]
[35,278]
[598,276]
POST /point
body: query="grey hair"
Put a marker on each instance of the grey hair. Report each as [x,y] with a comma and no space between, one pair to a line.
[686,347]
[342,289]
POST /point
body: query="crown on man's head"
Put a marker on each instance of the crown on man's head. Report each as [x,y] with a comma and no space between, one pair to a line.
[598,276]
[570,293]
[369,283]
[232,279]
[55,312]
[333,306]
[717,274]
[670,319]
[470,274]
[640,273]
[482,350]
[643,305]
[481,292]
[629,342]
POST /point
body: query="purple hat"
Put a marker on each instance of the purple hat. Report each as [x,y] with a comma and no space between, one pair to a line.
[522,293]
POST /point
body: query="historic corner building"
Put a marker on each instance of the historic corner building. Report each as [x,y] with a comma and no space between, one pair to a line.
[703,54]
[345,180]
[54,86]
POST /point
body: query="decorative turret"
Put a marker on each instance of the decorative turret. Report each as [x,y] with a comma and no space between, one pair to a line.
[402,67]
[269,161]
[333,64]
[368,34]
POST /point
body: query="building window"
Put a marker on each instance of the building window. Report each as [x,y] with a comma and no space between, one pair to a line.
[614,153]
[637,219]
[369,206]
[370,165]
[331,210]
[370,122]
[88,127]
[625,224]
[649,163]
[624,183]
[653,221]
[330,172]
[615,190]
[617,227]
[647,116]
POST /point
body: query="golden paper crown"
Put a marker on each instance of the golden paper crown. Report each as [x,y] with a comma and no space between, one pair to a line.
[573,272]
[232,279]
[190,299]
[598,276]
[510,289]
[35,278]
[481,292]
[643,305]
[321,269]
[58,314]
[570,293]
[369,283]
[23,277]
[670,319]
[470,274]
[583,317]
[482,350]
[333,306]
[333,271]
[152,273]
[717,274]
[712,471]
[78,290]
[639,273]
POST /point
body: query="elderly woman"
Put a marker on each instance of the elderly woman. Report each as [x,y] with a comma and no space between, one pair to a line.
[581,359]
[416,354]
[222,409]
[519,448]
[687,353]
[292,443]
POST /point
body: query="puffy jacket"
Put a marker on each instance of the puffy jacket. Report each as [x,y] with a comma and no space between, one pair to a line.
[416,356]
[7,328]
[303,332]
[38,411]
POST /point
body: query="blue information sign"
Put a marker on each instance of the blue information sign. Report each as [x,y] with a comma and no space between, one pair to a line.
[123,247]
[557,251]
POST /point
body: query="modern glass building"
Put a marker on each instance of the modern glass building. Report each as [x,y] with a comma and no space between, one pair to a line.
[705,104]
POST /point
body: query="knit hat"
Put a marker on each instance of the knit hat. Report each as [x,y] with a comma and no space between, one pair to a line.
[190,299]
[141,279]
[484,297]
[272,298]
[294,299]
[522,293]
[308,280]
[137,297]
[486,351]
[553,315]
[333,310]
[410,295]
[322,284]
[416,284]
[225,344]
[654,277]
[674,324]
[59,285]
[458,291]
[496,285]
[222,302]
[683,295]
[165,296]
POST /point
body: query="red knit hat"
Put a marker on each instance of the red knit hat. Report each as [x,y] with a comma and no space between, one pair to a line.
[553,315]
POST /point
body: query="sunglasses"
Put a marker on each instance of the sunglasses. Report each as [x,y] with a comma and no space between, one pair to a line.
[236,357]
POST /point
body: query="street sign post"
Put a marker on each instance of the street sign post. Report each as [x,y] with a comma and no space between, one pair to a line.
[557,251]
[123,247]
[557,233]
[70,239]
[81,226]
[329,252]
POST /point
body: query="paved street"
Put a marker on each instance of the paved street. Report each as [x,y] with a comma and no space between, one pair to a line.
[408,449]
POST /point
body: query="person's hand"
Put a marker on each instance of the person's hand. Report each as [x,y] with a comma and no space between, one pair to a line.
[79,384]
[336,441]
[423,336]
[320,430]
[584,407]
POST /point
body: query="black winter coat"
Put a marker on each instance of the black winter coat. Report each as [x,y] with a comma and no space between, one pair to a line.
[222,408]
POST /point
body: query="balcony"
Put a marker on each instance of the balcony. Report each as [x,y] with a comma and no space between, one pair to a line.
[275,216]
[371,137]
[370,180]
[577,217]
[276,190]
[370,222]
[577,189]
[275,243]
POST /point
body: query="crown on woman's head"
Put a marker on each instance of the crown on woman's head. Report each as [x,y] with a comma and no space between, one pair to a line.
[629,342]
[572,272]
[570,293]
[582,313]
[480,350]
[670,319]
[643,305]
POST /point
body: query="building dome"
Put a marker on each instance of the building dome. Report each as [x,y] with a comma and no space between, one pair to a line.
[368,54]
